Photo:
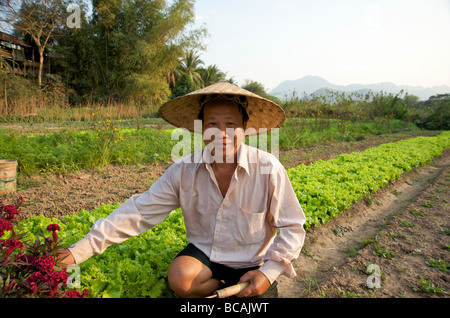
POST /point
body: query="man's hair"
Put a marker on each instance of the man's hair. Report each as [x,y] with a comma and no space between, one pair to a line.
[241,108]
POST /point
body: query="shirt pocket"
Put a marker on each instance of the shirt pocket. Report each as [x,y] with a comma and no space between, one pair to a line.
[250,227]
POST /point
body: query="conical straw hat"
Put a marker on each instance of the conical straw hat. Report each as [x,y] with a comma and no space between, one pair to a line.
[263,113]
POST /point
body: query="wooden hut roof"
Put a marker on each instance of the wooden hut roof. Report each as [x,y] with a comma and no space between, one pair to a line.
[11,39]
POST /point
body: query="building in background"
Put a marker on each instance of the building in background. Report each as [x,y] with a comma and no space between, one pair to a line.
[16,56]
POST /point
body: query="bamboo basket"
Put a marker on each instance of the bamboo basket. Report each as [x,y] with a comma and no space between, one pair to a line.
[8,179]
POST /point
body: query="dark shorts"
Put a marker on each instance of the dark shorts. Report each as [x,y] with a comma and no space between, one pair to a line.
[229,276]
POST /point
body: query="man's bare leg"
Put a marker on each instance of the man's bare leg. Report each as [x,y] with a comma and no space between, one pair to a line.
[190,278]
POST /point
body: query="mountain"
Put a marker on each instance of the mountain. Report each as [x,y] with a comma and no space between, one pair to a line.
[315,85]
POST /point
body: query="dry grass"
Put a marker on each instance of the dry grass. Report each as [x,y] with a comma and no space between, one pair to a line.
[40,110]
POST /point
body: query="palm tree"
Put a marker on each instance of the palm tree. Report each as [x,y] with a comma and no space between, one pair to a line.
[190,66]
[231,80]
[212,75]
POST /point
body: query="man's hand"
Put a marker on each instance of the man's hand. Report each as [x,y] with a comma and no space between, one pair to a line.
[258,284]
[65,258]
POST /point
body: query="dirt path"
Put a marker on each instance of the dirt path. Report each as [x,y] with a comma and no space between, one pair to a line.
[395,222]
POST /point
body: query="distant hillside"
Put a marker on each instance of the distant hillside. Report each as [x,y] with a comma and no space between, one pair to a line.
[314,85]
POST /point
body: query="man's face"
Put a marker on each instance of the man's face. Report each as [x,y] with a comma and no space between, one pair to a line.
[223,127]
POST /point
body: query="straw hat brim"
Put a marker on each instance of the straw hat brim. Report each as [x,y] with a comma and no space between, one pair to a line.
[264,114]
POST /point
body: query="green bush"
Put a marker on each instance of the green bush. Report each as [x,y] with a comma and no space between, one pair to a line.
[438,119]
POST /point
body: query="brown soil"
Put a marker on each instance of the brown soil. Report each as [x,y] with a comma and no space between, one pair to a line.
[56,195]
[324,269]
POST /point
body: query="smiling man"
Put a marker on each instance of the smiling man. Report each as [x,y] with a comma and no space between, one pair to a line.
[243,220]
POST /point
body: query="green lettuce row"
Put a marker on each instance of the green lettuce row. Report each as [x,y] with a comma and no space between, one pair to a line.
[138,267]
[326,188]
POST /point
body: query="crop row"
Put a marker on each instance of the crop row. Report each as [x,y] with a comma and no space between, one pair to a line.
[104,143]
[138,267]
[71,151]
[325,188]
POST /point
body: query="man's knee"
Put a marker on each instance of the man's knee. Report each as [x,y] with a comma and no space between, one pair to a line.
[188,277]
[181,277]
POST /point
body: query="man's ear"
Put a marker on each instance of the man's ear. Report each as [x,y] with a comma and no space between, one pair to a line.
[245,125]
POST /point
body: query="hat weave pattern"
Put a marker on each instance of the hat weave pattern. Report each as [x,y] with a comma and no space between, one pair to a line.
[264,115]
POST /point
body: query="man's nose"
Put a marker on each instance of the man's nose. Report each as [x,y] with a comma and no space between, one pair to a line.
[224,133]
[227,133]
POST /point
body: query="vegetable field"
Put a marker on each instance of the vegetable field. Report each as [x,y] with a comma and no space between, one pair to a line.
[138,267]
[103,142]
[327,187]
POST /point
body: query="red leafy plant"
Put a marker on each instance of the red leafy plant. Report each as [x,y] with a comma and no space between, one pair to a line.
[31,270]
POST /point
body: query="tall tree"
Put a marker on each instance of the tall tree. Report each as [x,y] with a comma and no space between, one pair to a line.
[212,74]
[37,18]
[138,42]
[255,87]
[190,66]
[259,89]
[73,51]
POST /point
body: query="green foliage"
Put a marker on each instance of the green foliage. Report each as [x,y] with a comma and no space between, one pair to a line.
[190,66]
[325,188]
[427,286]
[184,86]
[301,132]
[126,50]
[70,151]
[106,136]
[438,264]
[373,106]
[190,75]
[381,251]
[438,118]
[427,204]
[136,268]
[211,75]
[257,88]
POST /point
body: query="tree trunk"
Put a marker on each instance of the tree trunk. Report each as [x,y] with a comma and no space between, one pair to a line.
[6,99]
[41,64]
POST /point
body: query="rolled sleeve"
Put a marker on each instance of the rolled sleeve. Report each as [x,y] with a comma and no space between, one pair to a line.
[135,216]
[272,270]
[288,218]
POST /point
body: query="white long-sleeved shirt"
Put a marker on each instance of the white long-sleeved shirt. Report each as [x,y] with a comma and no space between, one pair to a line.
[237,230]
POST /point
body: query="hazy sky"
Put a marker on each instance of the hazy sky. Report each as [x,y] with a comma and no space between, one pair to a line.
[345,42]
